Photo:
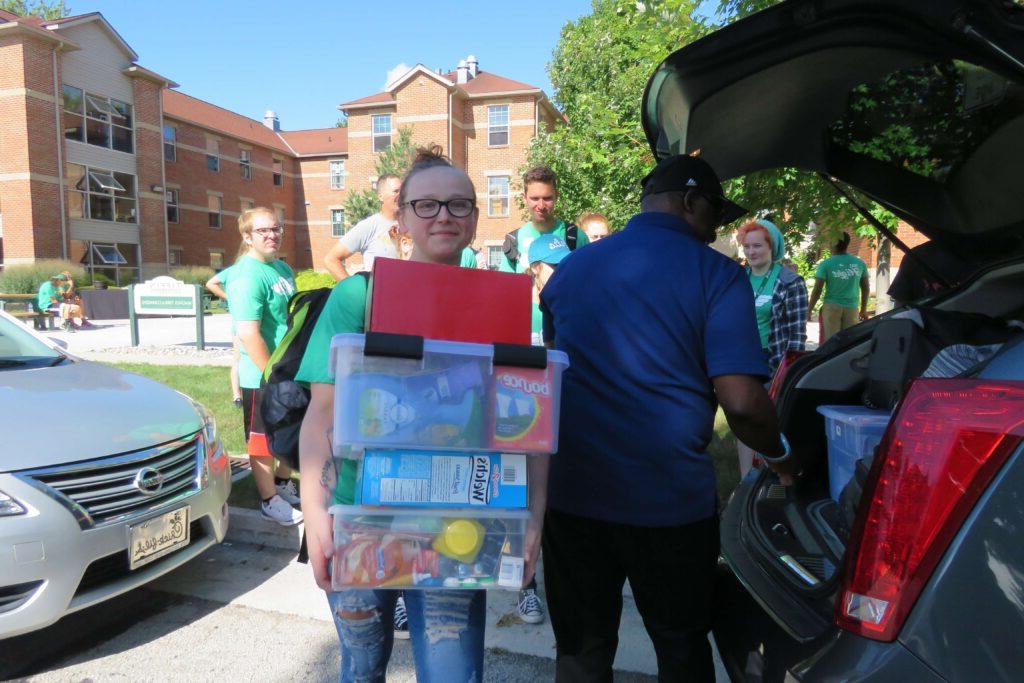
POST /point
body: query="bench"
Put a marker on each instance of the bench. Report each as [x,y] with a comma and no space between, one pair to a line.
[41,320]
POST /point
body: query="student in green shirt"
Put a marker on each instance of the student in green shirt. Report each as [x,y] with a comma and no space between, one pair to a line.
[438,210]
[217,286]
[258,290]
[540,192]
[844,277]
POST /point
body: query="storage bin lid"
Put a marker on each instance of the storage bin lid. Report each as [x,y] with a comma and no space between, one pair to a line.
[856,414]
[439,512]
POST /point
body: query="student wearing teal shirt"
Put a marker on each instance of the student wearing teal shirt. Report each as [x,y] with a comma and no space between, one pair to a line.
[438,209]
[540,192]
[844,277]
[258,290]
[545,254]
[780,301]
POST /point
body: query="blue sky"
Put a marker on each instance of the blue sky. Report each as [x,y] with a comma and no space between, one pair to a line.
[303,58]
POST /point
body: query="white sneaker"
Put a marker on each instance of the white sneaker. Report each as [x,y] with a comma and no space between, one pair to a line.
[278,510]
[289,492]
[531,609]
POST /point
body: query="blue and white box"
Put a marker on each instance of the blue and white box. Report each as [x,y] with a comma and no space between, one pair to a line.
[408,478]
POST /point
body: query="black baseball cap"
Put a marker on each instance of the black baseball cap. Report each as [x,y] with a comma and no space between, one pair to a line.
[680,173]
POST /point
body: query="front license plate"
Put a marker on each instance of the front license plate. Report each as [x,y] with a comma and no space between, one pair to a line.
[157,537]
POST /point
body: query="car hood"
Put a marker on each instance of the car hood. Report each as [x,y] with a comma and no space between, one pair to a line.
[80,410]
[919,104]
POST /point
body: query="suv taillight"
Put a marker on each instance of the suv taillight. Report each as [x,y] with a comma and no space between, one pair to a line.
[780,372]
[947,440]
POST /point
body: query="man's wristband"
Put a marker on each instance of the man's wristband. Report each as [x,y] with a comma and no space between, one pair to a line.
[785,446]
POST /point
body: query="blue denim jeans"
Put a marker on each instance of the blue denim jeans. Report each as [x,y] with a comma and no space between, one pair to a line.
[446,628]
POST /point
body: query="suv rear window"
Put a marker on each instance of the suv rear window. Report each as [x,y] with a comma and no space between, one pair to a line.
[953,123]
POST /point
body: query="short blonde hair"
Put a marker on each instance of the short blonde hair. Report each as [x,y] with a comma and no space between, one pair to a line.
[593,218]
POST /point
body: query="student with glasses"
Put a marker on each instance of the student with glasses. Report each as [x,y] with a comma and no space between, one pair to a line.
[258,292]
[438,210]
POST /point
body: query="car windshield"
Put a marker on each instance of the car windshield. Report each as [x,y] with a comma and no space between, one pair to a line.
[953,124]
[19,348]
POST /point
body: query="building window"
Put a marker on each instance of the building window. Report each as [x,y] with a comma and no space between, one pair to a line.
[175,255]
[97,120]
[337,174]
[216,259]
[337,222]
[279,215]
[212,155]
[171,199]
[278,172]
[497,196]
[497,125]
[494,256]
[101,195]
[245,163]
[170,143]
[381,132]
[247,204]
[215,206]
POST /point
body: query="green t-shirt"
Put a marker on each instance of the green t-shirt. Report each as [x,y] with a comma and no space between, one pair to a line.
[764,286]
[47,290]
[526,235]
[468,258]
[841,274]
[259,291]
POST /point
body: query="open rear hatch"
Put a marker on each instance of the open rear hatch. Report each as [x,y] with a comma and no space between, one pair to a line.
[918,104]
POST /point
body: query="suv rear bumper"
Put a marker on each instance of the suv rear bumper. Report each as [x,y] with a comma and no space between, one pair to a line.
[754,647]
[50,566]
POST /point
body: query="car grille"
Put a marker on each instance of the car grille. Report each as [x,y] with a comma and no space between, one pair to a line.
[115,566]
[110,489]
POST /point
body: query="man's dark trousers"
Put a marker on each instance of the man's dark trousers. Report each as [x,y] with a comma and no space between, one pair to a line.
[671,571]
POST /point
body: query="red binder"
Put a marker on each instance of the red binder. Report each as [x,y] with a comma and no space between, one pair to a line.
[449,302]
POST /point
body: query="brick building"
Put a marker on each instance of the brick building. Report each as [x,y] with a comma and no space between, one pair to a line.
[102,162]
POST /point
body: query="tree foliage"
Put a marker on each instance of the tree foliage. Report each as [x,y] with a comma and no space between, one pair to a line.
[396,160]
[43,9]
[599,71]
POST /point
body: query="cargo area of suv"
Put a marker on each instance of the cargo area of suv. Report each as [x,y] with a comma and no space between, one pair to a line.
[919,106]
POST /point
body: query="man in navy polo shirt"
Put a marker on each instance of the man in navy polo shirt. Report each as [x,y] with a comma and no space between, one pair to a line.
[666,334]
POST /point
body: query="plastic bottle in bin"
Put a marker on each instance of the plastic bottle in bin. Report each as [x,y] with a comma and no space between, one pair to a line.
[438,408]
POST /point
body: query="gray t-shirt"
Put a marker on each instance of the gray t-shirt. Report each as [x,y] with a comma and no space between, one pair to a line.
[370,238]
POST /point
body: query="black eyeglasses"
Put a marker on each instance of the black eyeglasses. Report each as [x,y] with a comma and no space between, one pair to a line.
[428,208]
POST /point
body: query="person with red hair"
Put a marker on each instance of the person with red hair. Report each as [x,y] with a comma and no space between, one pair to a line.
[780,300]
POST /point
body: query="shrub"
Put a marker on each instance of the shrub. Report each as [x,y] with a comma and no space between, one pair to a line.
[310,279]
[25,278]
[98,278]
[192,275]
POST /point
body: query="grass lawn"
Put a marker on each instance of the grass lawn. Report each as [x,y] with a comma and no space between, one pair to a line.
[211,386]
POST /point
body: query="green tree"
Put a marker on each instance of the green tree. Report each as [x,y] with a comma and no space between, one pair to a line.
[396,160]
[599,70]
[39,8]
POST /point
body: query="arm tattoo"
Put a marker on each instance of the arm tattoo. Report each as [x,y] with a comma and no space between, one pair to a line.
[328,474]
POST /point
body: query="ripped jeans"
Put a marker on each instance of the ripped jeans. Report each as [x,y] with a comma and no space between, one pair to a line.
[446,628]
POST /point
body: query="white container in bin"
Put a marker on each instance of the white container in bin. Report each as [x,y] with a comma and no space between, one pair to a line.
[427,548]
[453,398]
[853,432]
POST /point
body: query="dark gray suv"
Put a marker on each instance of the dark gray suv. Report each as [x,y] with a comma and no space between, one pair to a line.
[915,570]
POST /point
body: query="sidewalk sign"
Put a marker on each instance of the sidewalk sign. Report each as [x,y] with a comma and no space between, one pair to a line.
[164,295]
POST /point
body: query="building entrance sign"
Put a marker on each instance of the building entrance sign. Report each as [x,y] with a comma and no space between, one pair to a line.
[164,295]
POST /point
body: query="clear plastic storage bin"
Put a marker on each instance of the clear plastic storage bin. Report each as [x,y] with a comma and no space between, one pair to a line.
[853,432]
[451,398]
[450,548]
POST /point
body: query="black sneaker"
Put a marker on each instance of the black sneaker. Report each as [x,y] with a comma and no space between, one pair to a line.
[401,620]
[531,609]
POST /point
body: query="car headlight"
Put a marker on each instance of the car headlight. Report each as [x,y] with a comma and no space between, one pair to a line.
[211,461]
[10,507]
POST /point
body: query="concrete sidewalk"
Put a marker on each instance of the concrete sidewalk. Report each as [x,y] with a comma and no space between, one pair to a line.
[266,577]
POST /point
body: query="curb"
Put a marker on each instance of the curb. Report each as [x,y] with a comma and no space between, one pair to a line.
[248,526]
